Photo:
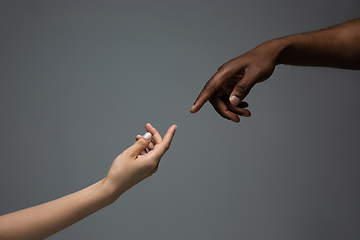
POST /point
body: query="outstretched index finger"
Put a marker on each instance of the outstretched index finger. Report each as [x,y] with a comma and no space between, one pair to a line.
[209,89]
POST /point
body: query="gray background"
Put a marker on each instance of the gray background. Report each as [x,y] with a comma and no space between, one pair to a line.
[79,79]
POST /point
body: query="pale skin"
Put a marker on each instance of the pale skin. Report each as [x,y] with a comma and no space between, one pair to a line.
[336,47]
[133,165]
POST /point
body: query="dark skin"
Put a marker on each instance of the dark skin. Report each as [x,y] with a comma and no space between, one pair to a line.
[336,47]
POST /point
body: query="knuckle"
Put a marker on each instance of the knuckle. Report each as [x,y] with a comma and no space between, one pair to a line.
[142,141]
[126,153]
[210,87]
[242,87]
[225,69]
[256,70]
[261,73]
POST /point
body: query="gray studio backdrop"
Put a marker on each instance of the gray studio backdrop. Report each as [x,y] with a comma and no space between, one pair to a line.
[79,80]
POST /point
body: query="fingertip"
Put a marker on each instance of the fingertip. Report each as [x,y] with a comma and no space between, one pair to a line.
[174,126]
[234,100]
[193,109]
[171,130]
[200,101]
[230,116]
[170,133]
[147,136]
[141,144]
[150,128]
[248,114]
[235,119]
[243,105]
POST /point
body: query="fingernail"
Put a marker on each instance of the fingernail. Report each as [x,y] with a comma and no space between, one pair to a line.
[149,124]
[147,135]
[175,127]
[235,100]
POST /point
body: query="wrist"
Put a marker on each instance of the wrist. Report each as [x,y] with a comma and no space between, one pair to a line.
[273,50]
[111,190]
[279,49]
[294,49]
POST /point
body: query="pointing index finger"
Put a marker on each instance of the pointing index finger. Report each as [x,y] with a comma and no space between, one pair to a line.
[209,89]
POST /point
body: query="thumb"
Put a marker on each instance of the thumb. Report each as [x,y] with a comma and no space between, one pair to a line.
[242,89]
[140,145]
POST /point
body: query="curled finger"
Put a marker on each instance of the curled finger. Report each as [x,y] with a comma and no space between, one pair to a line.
[239,110]
[156,137]
[223,109]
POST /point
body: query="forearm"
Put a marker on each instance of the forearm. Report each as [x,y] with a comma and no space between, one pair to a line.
[41,221]
[337,47]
